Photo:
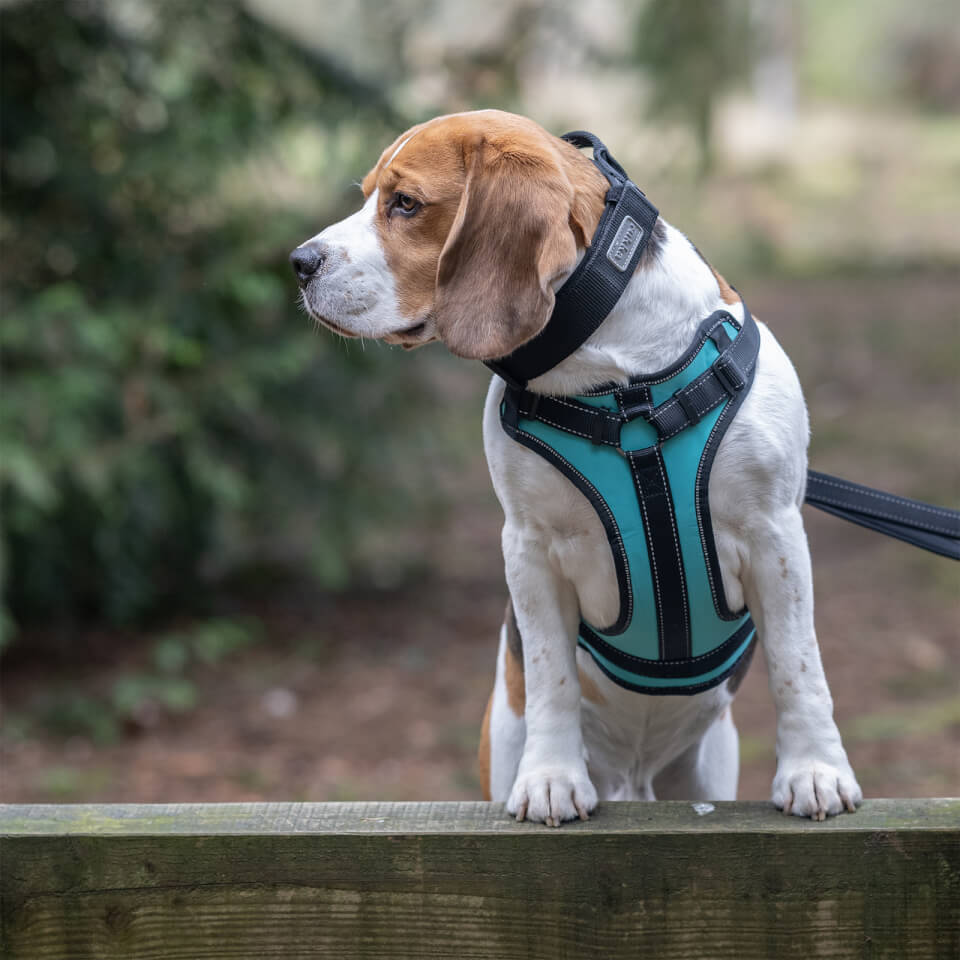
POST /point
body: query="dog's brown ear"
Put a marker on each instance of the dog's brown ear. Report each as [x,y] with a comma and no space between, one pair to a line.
[510,240]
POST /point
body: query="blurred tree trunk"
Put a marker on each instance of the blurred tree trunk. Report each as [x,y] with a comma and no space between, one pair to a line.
[693,51]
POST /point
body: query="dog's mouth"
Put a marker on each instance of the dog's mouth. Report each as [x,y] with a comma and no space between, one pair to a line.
[415,330]
[416,335]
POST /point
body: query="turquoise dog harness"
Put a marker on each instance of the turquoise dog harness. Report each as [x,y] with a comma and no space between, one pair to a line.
[641,454]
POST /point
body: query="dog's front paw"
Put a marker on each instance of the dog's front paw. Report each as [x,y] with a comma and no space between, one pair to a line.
[551,795]
[816,790]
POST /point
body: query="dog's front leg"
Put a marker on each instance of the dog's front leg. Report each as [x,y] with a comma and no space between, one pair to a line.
[552,783]
[814,777]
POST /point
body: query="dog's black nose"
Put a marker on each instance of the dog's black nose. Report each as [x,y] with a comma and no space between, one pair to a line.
[306,260]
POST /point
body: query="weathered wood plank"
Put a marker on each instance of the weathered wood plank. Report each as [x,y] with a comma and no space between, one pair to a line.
[472,817]
[462,880]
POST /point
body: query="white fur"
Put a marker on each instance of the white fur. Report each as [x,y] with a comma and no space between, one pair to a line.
[558,563]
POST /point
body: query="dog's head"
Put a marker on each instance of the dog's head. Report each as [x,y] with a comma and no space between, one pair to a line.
[471,223]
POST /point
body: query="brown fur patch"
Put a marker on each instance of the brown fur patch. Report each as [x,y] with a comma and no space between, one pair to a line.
[483,753]
[513,664]
[479,175]
[727,293]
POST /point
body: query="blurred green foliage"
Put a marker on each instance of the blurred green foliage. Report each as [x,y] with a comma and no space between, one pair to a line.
[167,415]
[138,698]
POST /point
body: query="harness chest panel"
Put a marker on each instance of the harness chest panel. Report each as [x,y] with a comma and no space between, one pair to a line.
[642,453]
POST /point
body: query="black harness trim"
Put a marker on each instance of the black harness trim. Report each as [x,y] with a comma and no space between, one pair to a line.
[688,666]
[663,547]
[749,334]
[594,287]
[657,668]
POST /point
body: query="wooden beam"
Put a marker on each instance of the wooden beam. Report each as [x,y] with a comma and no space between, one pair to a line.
[461,880]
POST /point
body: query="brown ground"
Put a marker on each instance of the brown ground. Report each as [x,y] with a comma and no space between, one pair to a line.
[378,695]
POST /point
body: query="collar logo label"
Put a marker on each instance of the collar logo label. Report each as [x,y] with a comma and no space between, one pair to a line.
[625,243]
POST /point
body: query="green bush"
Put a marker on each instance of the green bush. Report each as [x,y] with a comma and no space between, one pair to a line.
[167,414]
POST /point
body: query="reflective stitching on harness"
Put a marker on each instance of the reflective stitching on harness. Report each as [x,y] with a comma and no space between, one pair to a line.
[685,689]
[683,426]
[643,661]
[569,429]
[584,408]
[884,496]
[543,419]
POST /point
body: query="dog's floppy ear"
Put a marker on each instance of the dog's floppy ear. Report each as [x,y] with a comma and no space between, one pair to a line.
[510,239]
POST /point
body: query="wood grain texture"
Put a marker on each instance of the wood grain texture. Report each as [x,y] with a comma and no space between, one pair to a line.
[463,880]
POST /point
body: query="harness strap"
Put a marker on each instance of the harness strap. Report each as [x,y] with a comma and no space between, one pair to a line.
[594,287]
[688,667]
[933,528]
[663,548]
[567,414]
[723,379]
[729,374]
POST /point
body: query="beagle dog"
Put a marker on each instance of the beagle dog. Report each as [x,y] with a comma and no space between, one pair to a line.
[471,224]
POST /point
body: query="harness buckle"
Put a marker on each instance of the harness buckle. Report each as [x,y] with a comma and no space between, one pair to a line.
[642,409]
[729,374]
[636,401]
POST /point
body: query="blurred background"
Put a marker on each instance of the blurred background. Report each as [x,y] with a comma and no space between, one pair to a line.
[243,559]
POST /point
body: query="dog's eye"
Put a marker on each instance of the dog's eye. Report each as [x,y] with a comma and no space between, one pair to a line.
[405,205]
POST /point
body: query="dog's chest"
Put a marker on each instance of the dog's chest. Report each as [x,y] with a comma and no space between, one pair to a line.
[630,737]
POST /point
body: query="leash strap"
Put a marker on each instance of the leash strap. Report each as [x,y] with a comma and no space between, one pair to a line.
[592,290]
[936,529]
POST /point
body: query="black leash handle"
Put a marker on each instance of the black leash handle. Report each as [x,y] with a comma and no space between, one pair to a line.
[933,528]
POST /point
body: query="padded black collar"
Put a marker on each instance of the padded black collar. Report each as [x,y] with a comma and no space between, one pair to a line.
[594,287]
